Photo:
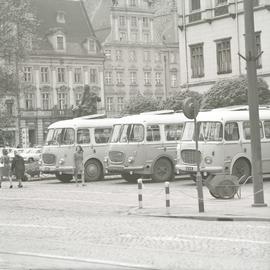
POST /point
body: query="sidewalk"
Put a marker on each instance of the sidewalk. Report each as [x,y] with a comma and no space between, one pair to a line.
[184,204]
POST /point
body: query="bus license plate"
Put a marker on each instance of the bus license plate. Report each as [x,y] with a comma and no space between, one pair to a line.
[189,169]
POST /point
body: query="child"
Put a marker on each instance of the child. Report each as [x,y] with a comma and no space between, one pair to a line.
[78,164]
[6,171]
[18,168]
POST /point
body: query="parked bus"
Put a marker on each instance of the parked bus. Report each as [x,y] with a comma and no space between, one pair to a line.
[91,133]
[224,143]
[145,145]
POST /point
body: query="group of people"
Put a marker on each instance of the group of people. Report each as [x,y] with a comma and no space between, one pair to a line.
[16,167]
[8,168]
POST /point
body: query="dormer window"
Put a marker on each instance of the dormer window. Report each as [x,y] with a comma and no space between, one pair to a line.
[91,45]
[60,43]
[60,17]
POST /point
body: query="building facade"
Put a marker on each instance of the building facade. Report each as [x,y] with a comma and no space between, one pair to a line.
[66,56]
[211,37]
[141,50]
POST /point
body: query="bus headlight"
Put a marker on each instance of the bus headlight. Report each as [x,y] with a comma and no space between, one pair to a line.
[208,160]
[106,160]
[61,161]
[130,159]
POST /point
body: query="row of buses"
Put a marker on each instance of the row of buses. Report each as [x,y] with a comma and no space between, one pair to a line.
[156,145]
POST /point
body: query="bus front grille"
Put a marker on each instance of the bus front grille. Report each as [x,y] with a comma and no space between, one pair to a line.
[189,156]
[116,156]
[48,158]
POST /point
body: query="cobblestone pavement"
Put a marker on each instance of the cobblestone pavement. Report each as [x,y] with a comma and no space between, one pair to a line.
[50,225]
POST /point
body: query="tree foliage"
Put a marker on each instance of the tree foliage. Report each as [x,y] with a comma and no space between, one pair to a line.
[234,91]
[8,82]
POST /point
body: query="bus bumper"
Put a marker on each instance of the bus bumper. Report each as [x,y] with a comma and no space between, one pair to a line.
[123,169]
[180,168]
[49,169]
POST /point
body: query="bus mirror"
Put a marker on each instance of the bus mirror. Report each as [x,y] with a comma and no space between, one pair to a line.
[191,108]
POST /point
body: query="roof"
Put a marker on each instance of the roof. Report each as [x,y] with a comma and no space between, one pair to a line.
[77,27]
[83,123]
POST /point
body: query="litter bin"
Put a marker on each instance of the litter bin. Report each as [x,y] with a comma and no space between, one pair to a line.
[222,186]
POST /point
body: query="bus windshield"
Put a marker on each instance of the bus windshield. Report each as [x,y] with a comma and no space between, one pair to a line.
[132,133]
[115,133]
[208,131]
[65,136]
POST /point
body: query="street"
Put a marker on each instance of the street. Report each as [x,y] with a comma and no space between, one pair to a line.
[51,225]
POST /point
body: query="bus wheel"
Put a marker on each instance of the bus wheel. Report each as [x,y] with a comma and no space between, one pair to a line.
[65,178]
[93,170]
[162,171]
[241,167]
[131,178]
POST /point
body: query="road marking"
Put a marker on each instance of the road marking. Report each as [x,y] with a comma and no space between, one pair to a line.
[63,200]
[78,259]
[31,226]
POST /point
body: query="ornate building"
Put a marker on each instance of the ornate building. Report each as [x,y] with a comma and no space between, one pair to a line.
[211,34]
[140,43]
[66,57]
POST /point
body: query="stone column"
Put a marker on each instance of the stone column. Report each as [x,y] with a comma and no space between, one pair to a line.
[140,29]
[37,84]
[128,29]
[151,30]
[102,93]
[86,75]
[39,131]
[54,94]
[70,85]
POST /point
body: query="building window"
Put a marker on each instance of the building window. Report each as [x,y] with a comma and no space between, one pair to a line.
[108,54]
[62,101]
[134,36]
[195,7]
[133,21]
[157,57]
[133,77]
[108,77]
[61,75]
[27,74]
[221,7]
[146,37]
[118,55]
[224,56]
[122,36]
[132,56]
[44,72]
[172,57]
[45,101]
[133,3]
[9,106]
[60,43]
[146,56]
[119,77]
[93,75]
[29,101]
[91,45]
[78,98]
[158,78]
[109,104]
[145,21]
[258,49]
[77,75]
[122,20]
[60,17]
[173,80]
[120,104]
[197,62]
[147,78]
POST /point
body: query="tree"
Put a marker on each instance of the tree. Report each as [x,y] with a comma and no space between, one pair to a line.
[234,91]
[175,102]
[140,104]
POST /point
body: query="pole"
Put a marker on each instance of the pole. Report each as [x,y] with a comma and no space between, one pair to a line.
[253,102]
[167,197]
[198,175]
[140,192]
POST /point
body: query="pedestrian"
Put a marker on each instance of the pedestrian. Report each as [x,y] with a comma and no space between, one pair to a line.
[6,170]
[18,168]
[78,164]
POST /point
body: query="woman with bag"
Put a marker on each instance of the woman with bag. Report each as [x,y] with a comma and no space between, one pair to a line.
[78,164]
[6,171]
[18,168]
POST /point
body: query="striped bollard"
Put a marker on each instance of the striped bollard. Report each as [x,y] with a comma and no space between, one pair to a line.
[167,194]
[140,192]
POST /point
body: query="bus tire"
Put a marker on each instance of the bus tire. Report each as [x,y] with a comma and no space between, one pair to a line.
[93,170]
[65,178]
[163,170]
[241,167]
[131,178]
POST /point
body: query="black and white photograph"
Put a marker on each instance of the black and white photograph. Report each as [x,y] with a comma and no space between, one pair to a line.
[134,134]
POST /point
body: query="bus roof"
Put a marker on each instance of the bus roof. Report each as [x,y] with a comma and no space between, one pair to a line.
[83,123]
[230,115]
[152,119]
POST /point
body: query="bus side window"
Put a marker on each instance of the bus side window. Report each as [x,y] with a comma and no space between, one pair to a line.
[83,136]
[246,130]
[173,132]
[102,135]
[267,129]
[153,133]
[231,131]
